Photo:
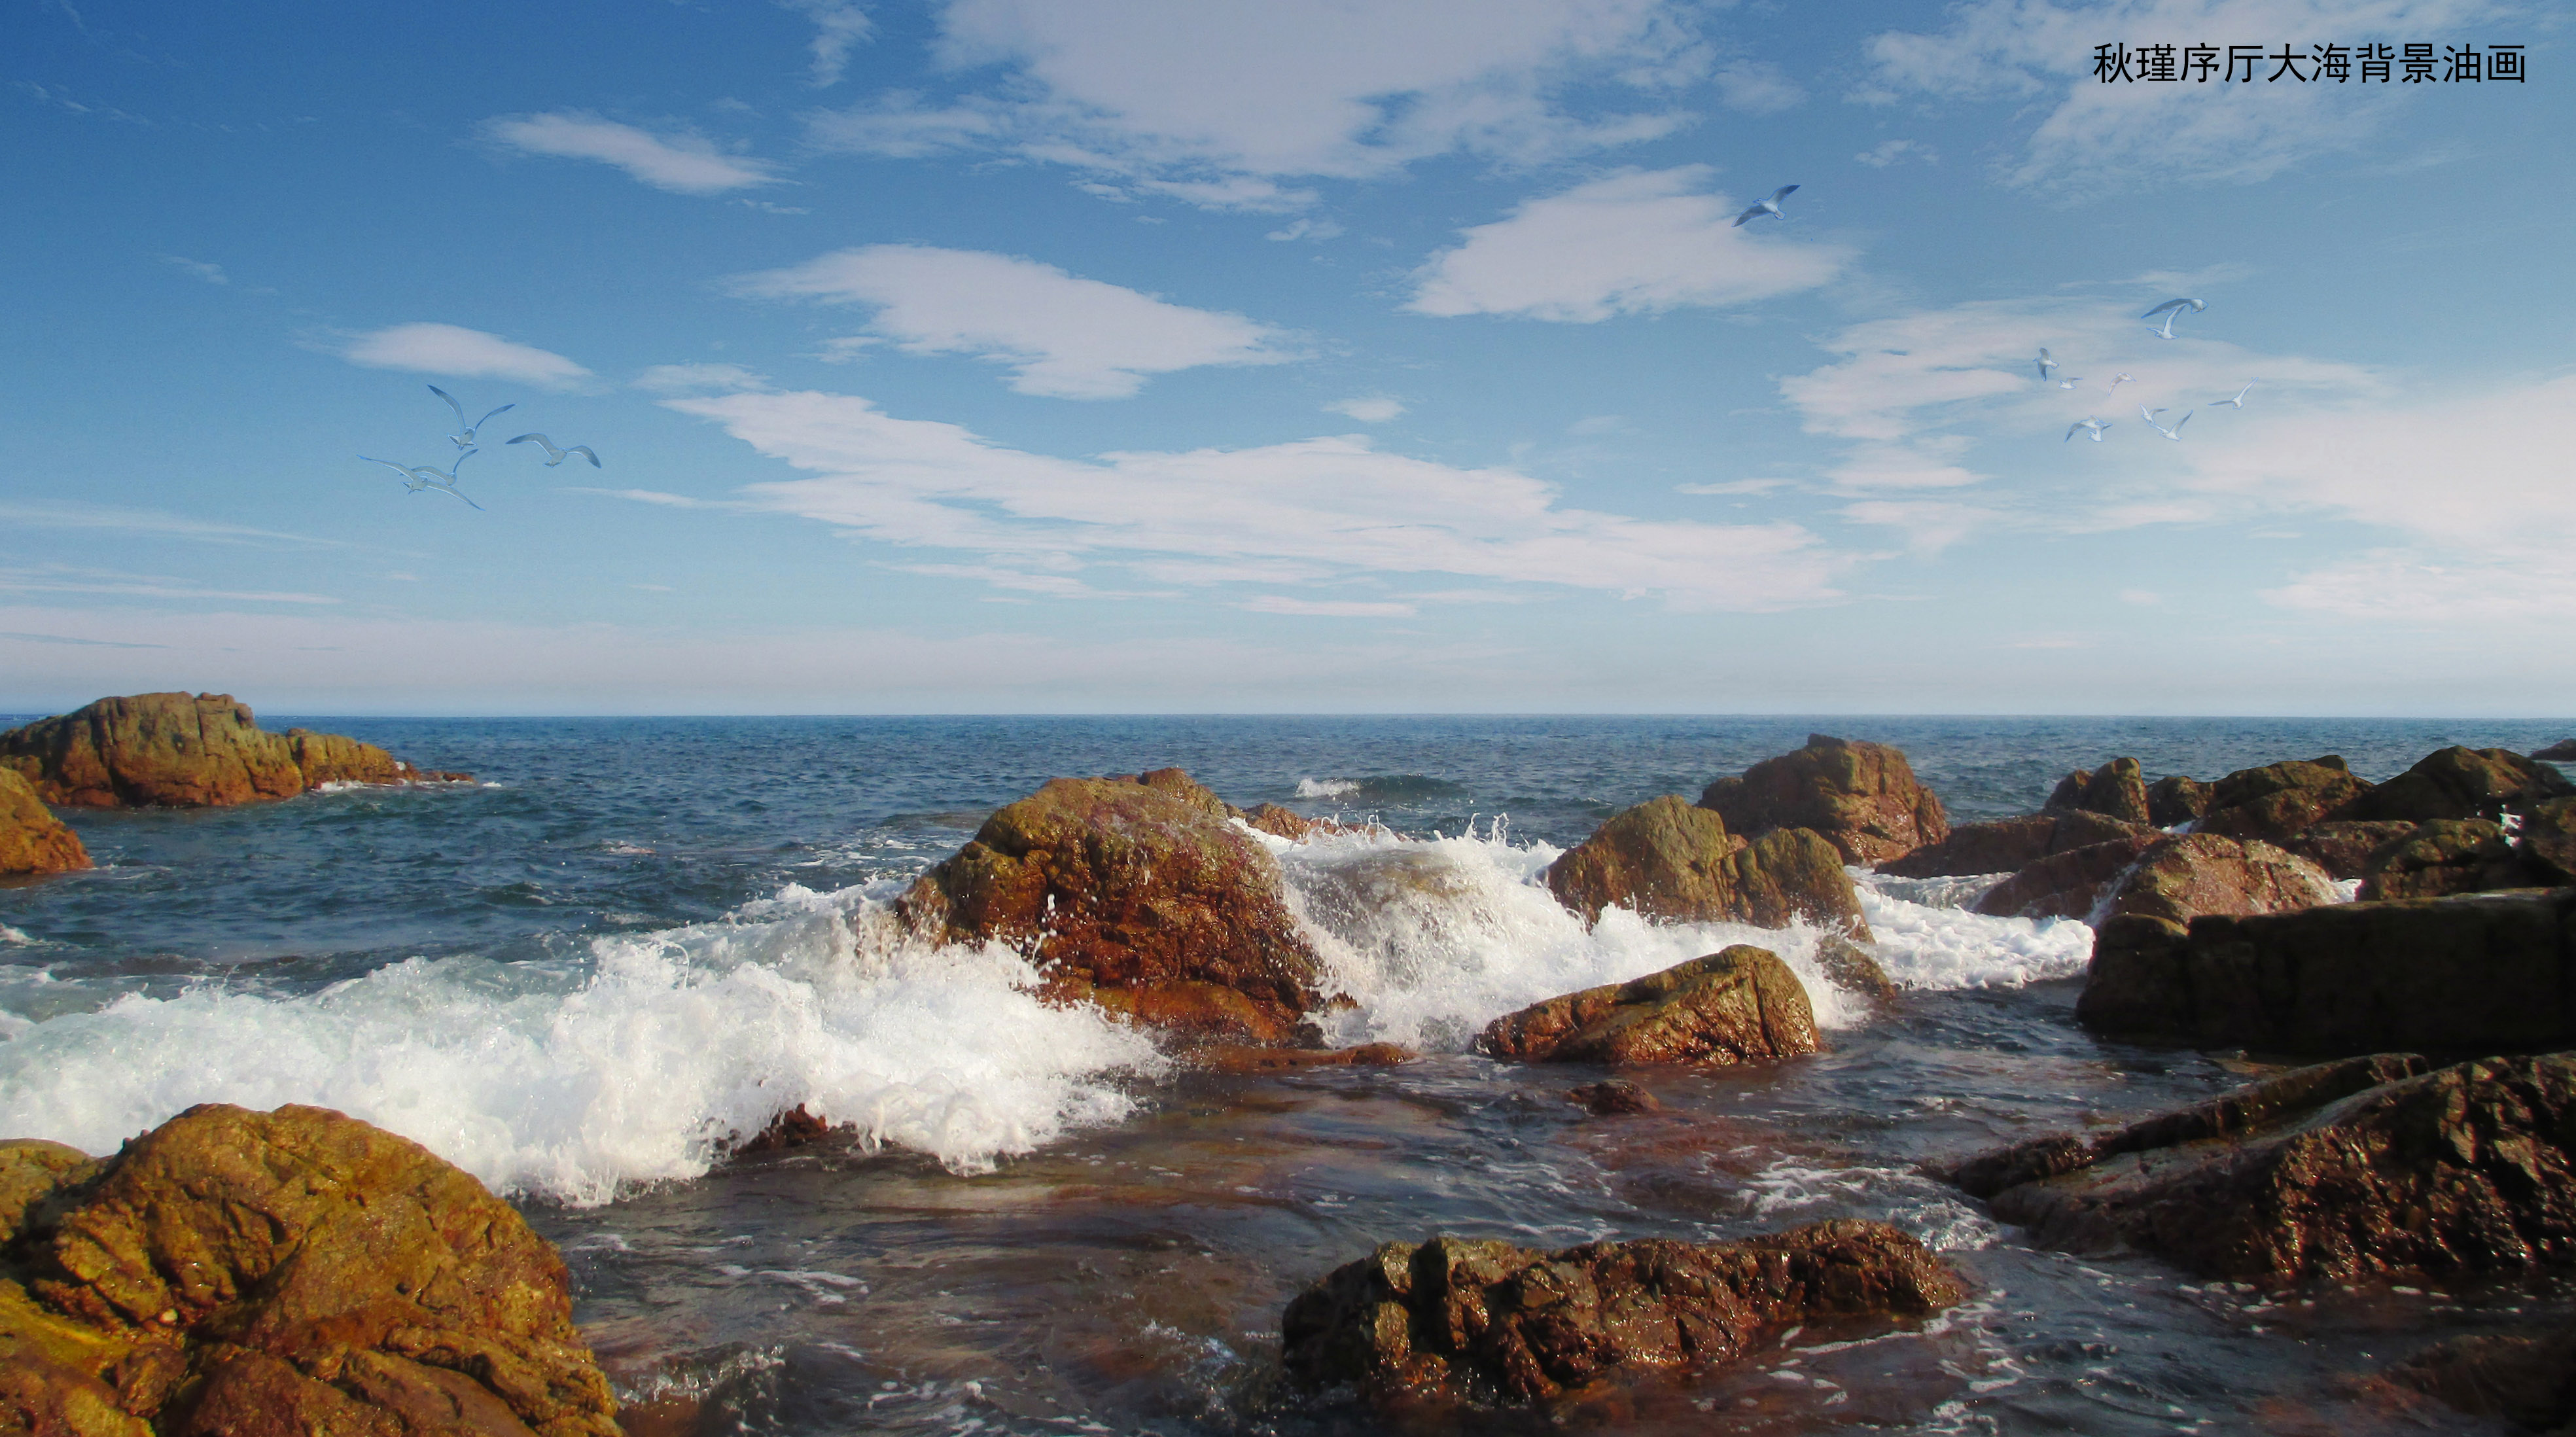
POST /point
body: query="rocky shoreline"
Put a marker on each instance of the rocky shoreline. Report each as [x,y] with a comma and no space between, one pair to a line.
[2437,1144]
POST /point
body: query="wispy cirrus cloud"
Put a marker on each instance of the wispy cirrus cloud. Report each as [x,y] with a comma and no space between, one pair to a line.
[1060,334]
[460,353]
[840,26]
[42,514]
[681,162]
[71,579]
[1639,242]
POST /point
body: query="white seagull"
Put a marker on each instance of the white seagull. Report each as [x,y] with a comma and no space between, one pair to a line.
[2237,403]
[2174,433]
[416,485]
[2045,364]
[466,439]
[2173,307]
[417,477]
[1769,207]
[2116,381]
[2070,381]
[2096,425]
[556,456]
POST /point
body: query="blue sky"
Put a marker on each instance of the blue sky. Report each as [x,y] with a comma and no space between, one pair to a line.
[1102,355]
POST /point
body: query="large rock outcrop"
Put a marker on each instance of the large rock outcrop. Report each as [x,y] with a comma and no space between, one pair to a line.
[2447,855]
[2342,849]
[1665,859]
[2068,884]
[2280,799]
[2364,1167]
[1467,1321]
[2184,877]
[1862,797]
[32,840]
[2176,799]
[2117,789]
[1738,1005]
[2484,973]
[1139,894]
[186,751]
[2006,845]
[2459,783]
[295,1272]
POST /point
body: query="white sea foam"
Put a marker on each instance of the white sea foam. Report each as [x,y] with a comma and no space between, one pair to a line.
[579,1084]
[1326,787]
[1925,947]
[13,936]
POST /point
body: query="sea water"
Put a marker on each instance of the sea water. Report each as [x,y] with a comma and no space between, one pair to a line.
[630,942]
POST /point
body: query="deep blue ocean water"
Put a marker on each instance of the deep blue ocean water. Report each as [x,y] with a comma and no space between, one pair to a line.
[632,936]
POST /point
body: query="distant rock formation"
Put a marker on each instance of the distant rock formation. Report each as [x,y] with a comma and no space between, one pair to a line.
[2458,783]
[1665,859]
[1459,1320]
[272,1273]
[2117,789]
[1738,1005]
[1862,797]
[186,751]
[2563,751]
[1136,893]
[32,840]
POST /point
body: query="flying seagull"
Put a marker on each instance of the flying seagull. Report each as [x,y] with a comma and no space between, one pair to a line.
[466,439]
[2237,403]
[2045,364]
[556,456]
[2096,425]
[1769,207]
[417,477]
[2070,381]
[416,485]
[2116,381]
[2174,433]
[2169,309]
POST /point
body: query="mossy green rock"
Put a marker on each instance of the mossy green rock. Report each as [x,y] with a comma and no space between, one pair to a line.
[186,751]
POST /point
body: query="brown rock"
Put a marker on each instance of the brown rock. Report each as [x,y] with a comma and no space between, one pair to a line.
[1861,796]
[1136,894]
[2006,845]
[2563,751]
[2343,850]
[2447,856]
[2548,841]
[179,751]
[2461,782]
[1666,860]
[2526,1379]
[2278,800]
[2480,973]
[1244,1058]
[290,1272]
[1614,1097]
[32,840]
[2183,877]
[1852,969]
[2117,789]
[797,1127]
[2466,1168]
[2175,800]
[1457,1320]
[1738,1005]
[2068,884]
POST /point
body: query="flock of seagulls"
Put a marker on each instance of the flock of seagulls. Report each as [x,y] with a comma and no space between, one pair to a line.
[417,477]
[2171,310]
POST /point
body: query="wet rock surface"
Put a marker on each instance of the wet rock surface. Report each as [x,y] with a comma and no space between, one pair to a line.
[1136,893]
[290,1272]
[1739,1005]
[1667,860]
[2067,884]
[2346,1170]
[32,840]
[2525,1379]
[1862,797]
[2482,973]
[1457,1320]
[1614,1097]
[2006,845]
[2182,878]
[176,750]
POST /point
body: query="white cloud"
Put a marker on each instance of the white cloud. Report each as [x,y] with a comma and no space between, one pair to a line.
[839,26]
[1639,242]
[2141,596]
[462,354]
[153,522]
[683,163]
[898,126]
[653,496]
[2408,587]
[1334,506]
[210,273]
[1064,336]
[694,378]
[1207,99]
[1307,229]
[1757,89]
[67,579]
[1929,526]
[2097,137]
[1888,152]
[1732,486]
[1326,608]
[1369,409]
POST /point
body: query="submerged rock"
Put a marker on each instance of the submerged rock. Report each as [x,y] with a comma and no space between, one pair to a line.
[1135,893]
[1243,1058]
[288,1272]
[1667,860]
[1862,797]
[2356,1168]
[2482,973]
[2280,799]
[2117,789]
[2527,1379]
[187,751]
[2067,884]
[1614,1097]
[1738,1005]
[32,840]
[2176,799]
[2006,845]
[1459,1320]
[1852,969]
[2459,783]
[2181,878]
